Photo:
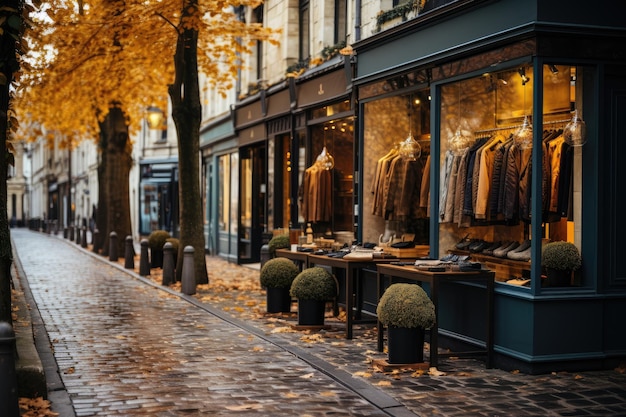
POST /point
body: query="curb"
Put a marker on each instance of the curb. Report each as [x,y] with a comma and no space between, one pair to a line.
[37,370]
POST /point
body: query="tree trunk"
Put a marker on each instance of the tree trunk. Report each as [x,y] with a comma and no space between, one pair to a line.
[101,213]
[8,66]
[118,161]
[187,115]
[5,234]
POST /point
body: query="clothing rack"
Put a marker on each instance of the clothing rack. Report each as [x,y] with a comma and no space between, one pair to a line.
[515,127]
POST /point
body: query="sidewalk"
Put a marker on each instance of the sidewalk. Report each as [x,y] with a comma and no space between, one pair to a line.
[459,387]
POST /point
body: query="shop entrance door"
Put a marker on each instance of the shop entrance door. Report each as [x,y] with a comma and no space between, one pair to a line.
[253,202]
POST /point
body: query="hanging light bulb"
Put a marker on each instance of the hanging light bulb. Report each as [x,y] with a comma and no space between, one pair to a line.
[458,142]
[410,149]
[326,159]
[575,132]
[524,136]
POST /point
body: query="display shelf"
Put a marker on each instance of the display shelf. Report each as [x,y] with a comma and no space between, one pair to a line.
[504,268]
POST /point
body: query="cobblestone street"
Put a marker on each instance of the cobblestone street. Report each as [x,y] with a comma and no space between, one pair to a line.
[127,346]
[126,349]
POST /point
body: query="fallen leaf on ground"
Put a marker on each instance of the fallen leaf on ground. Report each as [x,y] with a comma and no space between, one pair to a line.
[435,372]
[244,407]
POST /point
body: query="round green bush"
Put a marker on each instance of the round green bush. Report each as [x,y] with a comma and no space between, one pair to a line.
[406,305]
[278,273]
[560,255]
[278,242]
[314,284]
[157,239]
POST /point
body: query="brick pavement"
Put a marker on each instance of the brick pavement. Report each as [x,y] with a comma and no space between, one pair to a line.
[126,348]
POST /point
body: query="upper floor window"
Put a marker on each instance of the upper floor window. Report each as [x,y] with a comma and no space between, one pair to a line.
[341,21]
[305,30]
[257,17]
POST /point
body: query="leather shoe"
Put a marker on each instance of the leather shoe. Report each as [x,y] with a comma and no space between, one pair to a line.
[489,249]
[523,255]
[501,253]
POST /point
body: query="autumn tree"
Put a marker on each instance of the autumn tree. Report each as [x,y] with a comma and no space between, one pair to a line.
[12,23]
[99,64]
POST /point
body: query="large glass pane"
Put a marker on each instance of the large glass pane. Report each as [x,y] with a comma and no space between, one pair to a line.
[395,177]
[487,143]
[326,191]
[223,200]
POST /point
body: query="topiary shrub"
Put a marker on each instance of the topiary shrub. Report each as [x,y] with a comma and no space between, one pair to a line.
[278,273]
[278,242]
[406,305]
[560,255]
[314,284]
[157,239]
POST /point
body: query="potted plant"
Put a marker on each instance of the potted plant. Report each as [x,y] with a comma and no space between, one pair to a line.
[156,240]
[560,259]
[278,242]
[313,287]
[406,311]
[276,277]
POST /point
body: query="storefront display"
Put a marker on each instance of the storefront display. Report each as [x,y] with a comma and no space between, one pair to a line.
[486,153]
[396,161]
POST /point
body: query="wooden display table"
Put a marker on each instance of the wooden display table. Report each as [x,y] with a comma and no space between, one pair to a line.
[300,258]
[434,279]
[352,268]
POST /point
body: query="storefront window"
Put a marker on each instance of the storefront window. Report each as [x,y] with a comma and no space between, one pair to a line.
[223,200]
[395,201]
[486,152]
[326,187]
[279,182]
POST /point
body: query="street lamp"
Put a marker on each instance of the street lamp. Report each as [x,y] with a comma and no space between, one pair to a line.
[155,118]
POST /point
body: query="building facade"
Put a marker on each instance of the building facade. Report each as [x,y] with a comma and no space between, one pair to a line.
[450,84]
[434,95]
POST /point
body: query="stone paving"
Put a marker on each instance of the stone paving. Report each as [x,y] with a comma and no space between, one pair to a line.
[126,346]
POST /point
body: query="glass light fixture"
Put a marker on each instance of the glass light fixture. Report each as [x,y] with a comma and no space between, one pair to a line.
[575,132]
[524,136]
[410,149]
[325,159]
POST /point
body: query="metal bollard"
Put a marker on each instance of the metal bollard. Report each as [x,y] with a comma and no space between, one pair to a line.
[168,264]
[77,235]
[188,276]
[8,378]
[113,247]
[95,240]
[65,232]
[83,241]
[144,262]
[71,237]
[264,254]
[129,253]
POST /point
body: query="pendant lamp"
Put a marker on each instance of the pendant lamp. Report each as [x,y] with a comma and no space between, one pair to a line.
[575,132]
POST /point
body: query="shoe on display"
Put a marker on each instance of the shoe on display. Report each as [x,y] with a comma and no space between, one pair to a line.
[522,247]
[519,255]
[464,243]
[478,246]
[489,249]
[501,253]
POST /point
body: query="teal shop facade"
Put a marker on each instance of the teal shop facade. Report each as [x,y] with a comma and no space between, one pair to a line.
[474,69]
